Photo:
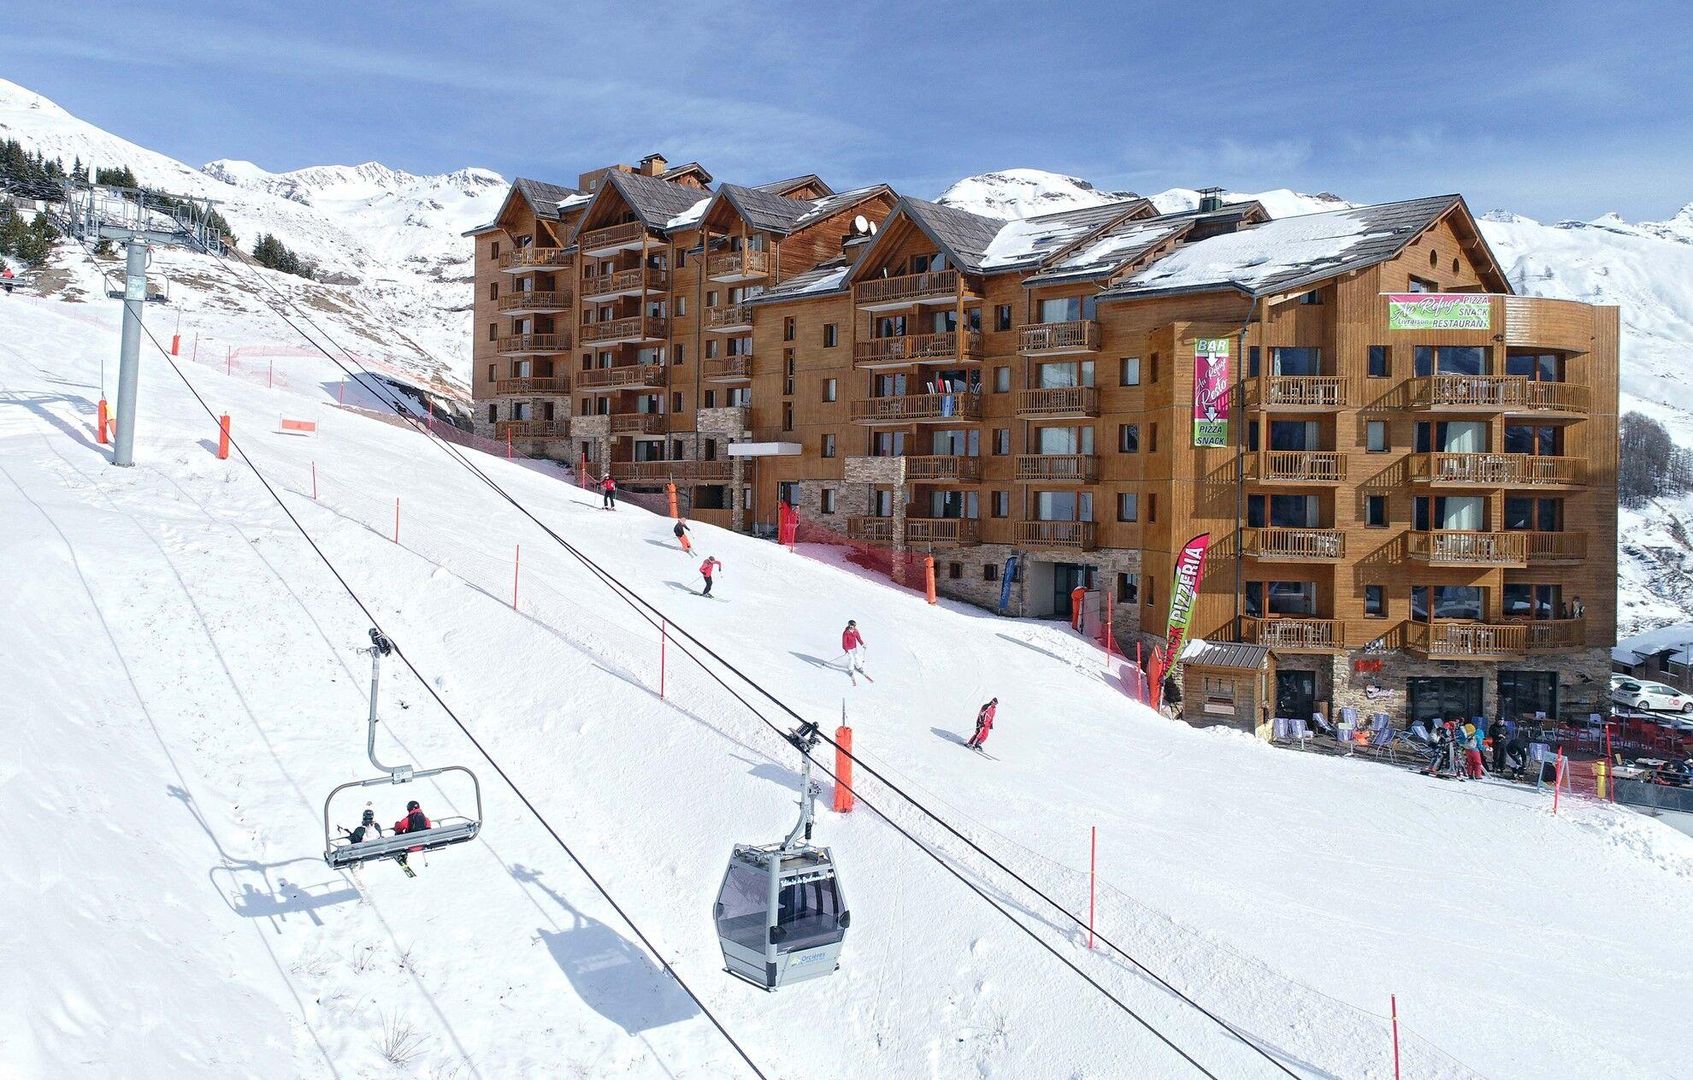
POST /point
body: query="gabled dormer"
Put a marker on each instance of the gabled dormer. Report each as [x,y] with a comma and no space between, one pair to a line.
[756,237]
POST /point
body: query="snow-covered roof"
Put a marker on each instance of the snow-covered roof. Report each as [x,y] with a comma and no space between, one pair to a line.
[1121,244]
[1283,254]
[1026,241]
[656,202]
[830,277]
[1675,638]
[964,235]
[544,197]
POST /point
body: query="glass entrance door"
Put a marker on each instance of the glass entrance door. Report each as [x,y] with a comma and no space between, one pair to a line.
[1434,699]
[1296,694]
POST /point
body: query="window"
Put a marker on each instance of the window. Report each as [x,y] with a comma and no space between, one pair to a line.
[1380,363]
[1375,511]
[681,304]
[1254,361]
[1450,360]
[493,413]
[1374,606]
[493,331]
[1423,285]
[831,335]
[1002,441]
[788,328]
[681,258]
[828,445]
[1312,297]
[710,348]
[990,571]
[787,416]
[711,399]
[830,388]
[1002,380]
[1146,593]
[1001,504]
[681,355]
[1128,588]
[711,298]
[1375,436]
[1128,506]
[491,369]
[1300,361]
[1531,601]
[1002,317]
[1152,374]
[1152,506]
[826,499]
[954,570]
[1445,602]
[676,402]
[493,290]
[1280,598]
[1128,438]
[1152,438]
[1131,371]
[494,250]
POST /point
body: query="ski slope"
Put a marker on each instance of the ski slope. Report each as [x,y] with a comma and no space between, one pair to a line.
[183,692]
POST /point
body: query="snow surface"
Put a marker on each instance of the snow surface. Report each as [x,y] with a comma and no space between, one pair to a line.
[1252,257]
[183,692]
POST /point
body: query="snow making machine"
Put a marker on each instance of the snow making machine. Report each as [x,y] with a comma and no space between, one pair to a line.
[781,914]
[340,851]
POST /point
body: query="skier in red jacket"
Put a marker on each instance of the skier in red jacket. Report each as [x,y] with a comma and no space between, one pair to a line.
[852,643]
[608,493]
[414,821]
[707,568]
[984,724]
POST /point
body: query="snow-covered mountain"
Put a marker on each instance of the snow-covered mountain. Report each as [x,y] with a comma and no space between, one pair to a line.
[1020,193]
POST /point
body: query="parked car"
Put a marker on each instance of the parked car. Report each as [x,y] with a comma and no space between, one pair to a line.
[1639,694]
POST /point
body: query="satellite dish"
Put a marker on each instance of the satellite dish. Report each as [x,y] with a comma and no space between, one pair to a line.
[872,228]
[860,224]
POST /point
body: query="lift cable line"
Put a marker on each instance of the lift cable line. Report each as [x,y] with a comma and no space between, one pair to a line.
[652,615]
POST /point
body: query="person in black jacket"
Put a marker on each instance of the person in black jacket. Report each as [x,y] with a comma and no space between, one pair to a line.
[1496,732]
[1172,694]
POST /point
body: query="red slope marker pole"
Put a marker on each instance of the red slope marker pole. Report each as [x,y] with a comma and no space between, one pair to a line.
[1093,864]
[223,437]
[1393,1004]
[516,563]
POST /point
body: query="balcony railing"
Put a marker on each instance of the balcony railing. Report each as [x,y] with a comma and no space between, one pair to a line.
[536,300]
[875,529]
[639,423]
[726,369]
[909,289]
[917,348]
[1495,470]
[943,531]
[1510,393]
[1556,547]
[633,328]
[622,377]
[1295,634]
[1301,466]
[613,238]
[1453,547]
[1303,392]
[530,344]
[635,280]
[939,467]
[1296,544]
[658,472]
[738,265]
[1058,402]
[900,410]
[729,317]
[1056,534]
[524,260]
[531,429]
[1475,640]
[1058,468]
[545,384]
[1053,339]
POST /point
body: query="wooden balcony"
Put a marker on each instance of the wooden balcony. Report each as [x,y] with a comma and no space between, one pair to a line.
[1296,545]
[530,259]
[943,468]
[1453,547]
[1295,634]
[1493,641]
[637,423]
[726,369]
[1074,535]
[729,319]
[1498,393]
[631,282]
[1550,548]
[622,331]
[1300,467]
[943,532]
[664,472]
[948,348]
[622,377]
[532,344]
[629,236]
[923,408]
[535,302]
[1302,393]
[1057,468]
[886,294]
[546,384]
[531,429]
[1058,339]
[878,530]
[1058,403]
[1495,470]
[743,265]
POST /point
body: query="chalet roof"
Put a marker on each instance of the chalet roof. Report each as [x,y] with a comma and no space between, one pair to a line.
[683,169]
[782,187]
[962,235]
[656,202]
[1287,253]
[1224,654]
[763,209]
[544,197]
[1028,241]
[1117,246]
[834,202]
[821,280]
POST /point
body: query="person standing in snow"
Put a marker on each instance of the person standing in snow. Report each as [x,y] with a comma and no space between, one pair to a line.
[608,493]
[711,565]
[1496,734]
[6,277]
[681,531]
[1172,695]
[852,643]
[984,724]
[1472,750]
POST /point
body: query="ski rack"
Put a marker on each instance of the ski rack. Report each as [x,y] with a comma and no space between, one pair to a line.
[444,833]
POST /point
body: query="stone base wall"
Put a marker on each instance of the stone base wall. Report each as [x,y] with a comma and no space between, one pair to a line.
[1583,677]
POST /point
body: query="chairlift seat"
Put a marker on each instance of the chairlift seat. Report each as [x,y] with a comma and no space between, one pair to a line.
[343,852]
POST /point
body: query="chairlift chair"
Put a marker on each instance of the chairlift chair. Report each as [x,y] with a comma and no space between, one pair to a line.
[339,851]
[781,913]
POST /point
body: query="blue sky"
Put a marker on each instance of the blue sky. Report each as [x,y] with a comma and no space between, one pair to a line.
[1551,109]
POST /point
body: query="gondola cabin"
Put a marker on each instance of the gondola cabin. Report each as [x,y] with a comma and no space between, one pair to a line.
[781,914]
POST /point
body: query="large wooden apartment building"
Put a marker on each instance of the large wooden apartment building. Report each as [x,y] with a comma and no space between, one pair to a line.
[1413,519]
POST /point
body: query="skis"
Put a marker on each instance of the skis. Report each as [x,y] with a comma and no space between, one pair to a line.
[980,751]
[401,859]
[853,675]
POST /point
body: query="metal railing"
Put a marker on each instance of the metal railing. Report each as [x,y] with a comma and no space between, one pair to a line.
[1295,543]
[1058,401]
[1063,337]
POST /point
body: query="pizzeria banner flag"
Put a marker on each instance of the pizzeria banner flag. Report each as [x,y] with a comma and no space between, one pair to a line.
[1190,565]
[1439,311]
[1211,392]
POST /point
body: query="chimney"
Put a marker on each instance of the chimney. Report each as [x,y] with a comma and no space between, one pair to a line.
[653,165]
[1210,199]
